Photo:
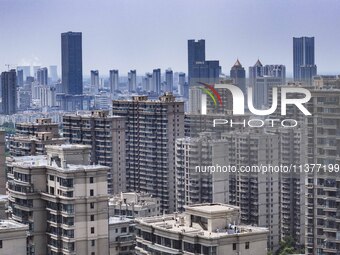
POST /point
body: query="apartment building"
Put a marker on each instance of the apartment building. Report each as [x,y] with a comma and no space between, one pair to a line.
[31,138]
[255,192]
[63,200]
[323,187]
[152,127]
[123,209]
[12,237]
[134,205]
[194,182]
[106,136]
[202,229]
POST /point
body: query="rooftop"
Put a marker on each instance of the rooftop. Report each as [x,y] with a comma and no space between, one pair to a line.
[171,223]
[42,161]
[212,208]
[118,219]
[6,225]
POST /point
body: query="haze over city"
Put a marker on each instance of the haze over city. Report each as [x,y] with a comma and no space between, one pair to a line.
[144,35]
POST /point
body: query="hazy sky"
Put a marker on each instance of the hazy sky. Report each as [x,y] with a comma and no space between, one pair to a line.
[145,34]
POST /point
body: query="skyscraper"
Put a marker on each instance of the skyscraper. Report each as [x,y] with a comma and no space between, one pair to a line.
[196,53]
[95,81]
[254,72]
[169,80]
[20,77]
[181,82]
[114,80]
[42,76]
[132,80]
[156,81]
[304,67]
[238,74]
[71,63]
[54,73]
[9,92]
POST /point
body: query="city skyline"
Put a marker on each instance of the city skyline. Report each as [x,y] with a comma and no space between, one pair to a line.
[105,47]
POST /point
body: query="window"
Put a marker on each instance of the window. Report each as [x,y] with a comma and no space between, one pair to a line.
[247,245]
[91,205]
[234,246]
[51,178]
[91,180]
[0,244]
[93,242]
[123,230]
[92,217]
[92,230]
[91,192]
[93,253]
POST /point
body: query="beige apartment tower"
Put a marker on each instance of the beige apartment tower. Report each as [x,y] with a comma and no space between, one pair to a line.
[63,200]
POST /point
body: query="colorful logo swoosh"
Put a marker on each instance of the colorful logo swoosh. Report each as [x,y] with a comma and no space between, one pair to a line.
[212,93]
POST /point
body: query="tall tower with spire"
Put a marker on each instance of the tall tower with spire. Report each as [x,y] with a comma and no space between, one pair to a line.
[254,72]
[238,74]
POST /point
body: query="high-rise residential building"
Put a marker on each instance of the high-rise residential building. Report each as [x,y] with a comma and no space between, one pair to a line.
[20,77]
[203,229]
[94,81]
[169,81]
[2,163]
[196,53]
[12,237]
[106,135]
[304,67]
[292,151]
[238,74]
[156,81]
[30,139]
[132,80]
[63,198]
[9,92]
[42,76]
[152,126]
[114,80]
[53,73]
[72,63]
[256,194]
[194,184]
[323,186]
